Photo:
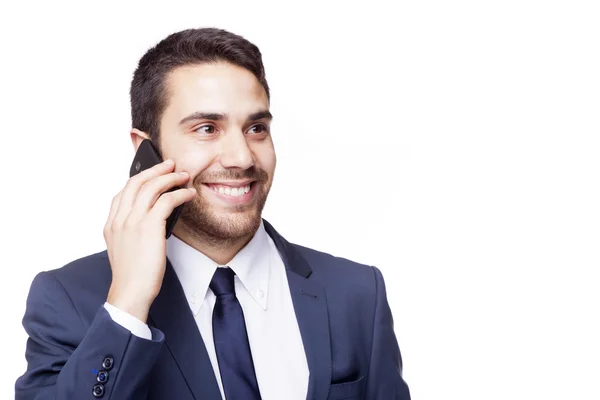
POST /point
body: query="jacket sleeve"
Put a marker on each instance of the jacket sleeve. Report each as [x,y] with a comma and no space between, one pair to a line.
[384,381]
[65,361]
[128,321]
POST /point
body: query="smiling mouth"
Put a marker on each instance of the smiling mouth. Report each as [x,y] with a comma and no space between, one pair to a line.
[232,189]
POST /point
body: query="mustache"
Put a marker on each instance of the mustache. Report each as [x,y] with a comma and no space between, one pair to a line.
[251,173]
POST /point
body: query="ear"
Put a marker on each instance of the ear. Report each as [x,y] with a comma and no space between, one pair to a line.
[137,137]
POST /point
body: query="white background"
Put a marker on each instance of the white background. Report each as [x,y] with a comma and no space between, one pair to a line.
[454,144]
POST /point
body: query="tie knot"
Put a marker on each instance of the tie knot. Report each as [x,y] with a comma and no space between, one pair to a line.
[222,282]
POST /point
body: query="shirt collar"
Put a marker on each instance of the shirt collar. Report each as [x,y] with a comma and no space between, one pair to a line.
[195,270]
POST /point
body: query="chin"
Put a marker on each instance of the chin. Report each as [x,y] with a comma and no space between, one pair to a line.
[236,225]
[221,225]
[214,218]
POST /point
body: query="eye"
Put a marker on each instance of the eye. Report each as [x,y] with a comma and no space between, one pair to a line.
[206,130]
[257,129]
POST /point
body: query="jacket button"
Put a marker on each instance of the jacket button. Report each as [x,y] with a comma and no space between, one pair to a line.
[102,377]
[98,390]
[108,363]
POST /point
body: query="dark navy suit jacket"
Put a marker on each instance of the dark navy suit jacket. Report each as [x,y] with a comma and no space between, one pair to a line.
[341,308]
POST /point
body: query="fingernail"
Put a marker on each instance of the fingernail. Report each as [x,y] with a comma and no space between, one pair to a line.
[193,190]
[169,161]
[183,173]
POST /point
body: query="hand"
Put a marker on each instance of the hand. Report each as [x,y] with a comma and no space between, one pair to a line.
[135,236]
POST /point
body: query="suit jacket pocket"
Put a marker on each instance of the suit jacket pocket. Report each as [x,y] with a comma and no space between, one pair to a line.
[346,391]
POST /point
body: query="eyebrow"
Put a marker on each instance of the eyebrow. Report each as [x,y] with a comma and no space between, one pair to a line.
[265,114]
[260,115]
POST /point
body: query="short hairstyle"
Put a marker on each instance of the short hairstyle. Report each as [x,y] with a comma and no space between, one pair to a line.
[148,92]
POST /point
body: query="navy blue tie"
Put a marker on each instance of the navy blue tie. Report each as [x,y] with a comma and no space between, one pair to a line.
[231,340]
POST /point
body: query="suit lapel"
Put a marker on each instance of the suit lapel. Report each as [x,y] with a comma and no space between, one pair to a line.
[171,314]
[310,305]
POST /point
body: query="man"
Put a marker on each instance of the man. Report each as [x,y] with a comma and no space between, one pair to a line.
[225,307]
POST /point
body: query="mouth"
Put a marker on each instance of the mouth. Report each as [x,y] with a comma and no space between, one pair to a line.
[232,192]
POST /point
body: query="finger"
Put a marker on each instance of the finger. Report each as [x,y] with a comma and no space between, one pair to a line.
[152,190]
[135,183]
[114,206]
[152,172]
[167,202]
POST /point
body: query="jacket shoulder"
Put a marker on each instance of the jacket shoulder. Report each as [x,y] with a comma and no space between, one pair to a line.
[86,282]
[327,267]
[92,268]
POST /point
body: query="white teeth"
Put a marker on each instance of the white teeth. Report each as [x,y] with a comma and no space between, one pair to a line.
[229,191]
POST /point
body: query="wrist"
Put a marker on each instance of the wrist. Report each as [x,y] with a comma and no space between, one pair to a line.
[130,302]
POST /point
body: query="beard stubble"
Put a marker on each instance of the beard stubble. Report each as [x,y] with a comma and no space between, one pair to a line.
[221,229]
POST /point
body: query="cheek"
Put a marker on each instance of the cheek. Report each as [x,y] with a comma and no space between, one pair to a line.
[265,157]
[195,163]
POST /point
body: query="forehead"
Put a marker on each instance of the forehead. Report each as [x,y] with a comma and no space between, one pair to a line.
[214,87]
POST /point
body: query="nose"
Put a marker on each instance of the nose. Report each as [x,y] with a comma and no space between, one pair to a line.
[235,152]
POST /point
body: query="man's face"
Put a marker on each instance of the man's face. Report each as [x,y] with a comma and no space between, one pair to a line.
[216,127]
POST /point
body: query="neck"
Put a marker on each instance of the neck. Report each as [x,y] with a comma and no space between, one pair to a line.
[221,251]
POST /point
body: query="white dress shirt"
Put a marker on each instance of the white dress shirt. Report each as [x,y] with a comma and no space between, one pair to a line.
[263,292]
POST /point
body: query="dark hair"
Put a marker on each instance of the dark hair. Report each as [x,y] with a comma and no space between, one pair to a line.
[148,91]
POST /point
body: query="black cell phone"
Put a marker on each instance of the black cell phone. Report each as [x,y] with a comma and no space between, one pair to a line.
[147,156]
